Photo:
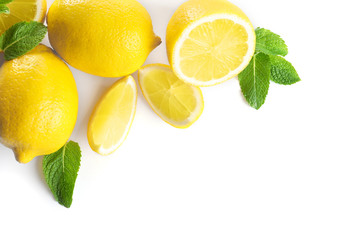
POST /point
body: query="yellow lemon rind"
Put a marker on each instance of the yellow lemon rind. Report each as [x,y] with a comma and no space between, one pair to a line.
[29,117]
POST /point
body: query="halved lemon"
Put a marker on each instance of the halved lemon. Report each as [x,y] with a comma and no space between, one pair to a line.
[176,102]
[22,10]
[112,118]
[209,42]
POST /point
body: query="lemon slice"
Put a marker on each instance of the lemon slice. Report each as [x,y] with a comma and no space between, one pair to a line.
[112,118]
[175,101]
[209,42]
[23,10]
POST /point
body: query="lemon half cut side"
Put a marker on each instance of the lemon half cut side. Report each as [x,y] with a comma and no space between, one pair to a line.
[209,42]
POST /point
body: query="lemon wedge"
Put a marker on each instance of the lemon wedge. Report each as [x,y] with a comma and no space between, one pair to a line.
[23,10]
[175,101]
[112,118]
[209,42]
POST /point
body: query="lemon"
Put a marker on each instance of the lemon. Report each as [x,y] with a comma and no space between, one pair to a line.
[176,102]
[209,42]
[22,10]
[112,118]
[108,38]
[38,104]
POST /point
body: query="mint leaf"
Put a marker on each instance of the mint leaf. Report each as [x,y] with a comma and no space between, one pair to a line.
[282,71]
[4,9]
[5,1]
[61,171]
[22,38]
[1,41]
[254,80]
[270,43]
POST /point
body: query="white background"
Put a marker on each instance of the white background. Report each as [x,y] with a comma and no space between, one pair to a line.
[237,173]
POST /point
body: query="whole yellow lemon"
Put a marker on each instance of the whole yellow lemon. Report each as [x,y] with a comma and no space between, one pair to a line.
[38,104]
[108,38]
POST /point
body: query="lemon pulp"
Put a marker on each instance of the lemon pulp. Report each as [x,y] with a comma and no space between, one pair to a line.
[209,42]
[113,116]
[208,54]
[176,102]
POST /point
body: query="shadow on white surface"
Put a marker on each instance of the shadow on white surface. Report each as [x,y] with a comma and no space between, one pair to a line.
[40,174]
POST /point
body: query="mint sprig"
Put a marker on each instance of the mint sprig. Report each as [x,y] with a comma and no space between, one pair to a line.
[266,64]
[21,38]
[61,171]
[3,7]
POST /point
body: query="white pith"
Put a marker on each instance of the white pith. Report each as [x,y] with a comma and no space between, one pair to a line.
[176,55]
[39,10]
[143,72]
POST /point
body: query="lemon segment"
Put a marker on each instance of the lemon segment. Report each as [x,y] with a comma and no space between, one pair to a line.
[175,101]
[209,42]
[112,118]
[23,10]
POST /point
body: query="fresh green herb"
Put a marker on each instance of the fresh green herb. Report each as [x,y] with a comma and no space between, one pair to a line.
[270,43]
[266,65]
[254,80]
[282,71]
[61,171]
[2,2]
[3,7]
[21,38]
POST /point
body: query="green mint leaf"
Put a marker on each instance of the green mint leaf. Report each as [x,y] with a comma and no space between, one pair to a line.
[270,43]
[61,171]
[1,41]
[5,1]
[255,79]
[282,71]
[22,38]
[4,9]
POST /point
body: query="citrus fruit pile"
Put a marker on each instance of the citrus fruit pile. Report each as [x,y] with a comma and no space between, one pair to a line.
[208,42]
